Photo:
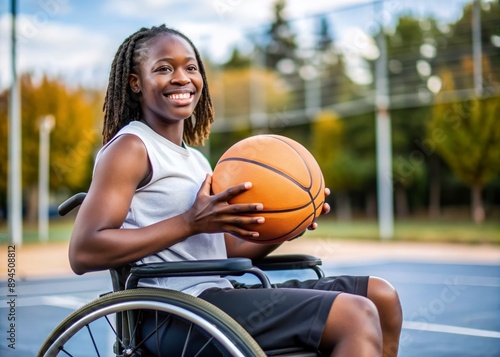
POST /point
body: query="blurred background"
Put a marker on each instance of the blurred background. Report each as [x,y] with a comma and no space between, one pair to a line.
[417,82]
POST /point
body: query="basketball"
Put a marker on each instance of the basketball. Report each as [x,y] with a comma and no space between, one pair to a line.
[285,178]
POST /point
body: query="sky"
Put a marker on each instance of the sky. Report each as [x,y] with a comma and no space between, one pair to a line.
[77,39]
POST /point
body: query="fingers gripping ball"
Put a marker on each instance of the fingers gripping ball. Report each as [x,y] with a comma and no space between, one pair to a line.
[285,178]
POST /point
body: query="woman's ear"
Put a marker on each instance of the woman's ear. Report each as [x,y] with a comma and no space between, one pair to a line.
[134,83]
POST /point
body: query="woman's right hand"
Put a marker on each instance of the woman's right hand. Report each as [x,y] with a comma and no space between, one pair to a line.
[213,213]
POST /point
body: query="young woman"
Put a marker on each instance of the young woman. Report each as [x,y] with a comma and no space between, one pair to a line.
[150,201]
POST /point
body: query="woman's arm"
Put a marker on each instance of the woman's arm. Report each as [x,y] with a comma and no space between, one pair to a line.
[237,247]
[97,241]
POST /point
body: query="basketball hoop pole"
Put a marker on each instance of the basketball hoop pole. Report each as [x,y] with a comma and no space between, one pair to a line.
[47,123]
[14,185]
[383,139]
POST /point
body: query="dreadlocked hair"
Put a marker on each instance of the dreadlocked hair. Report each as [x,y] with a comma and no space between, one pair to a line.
[121,104]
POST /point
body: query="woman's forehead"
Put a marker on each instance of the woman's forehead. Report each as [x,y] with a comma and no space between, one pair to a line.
[170,44]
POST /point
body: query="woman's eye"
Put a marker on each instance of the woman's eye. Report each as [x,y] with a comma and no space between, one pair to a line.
[164,69]
[192,68]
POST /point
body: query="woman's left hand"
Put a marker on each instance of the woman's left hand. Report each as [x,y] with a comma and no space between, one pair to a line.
[326,209]
[314,225]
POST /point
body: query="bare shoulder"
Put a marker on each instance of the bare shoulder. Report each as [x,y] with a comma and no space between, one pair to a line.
[125,145]
[125,151]
[124,161]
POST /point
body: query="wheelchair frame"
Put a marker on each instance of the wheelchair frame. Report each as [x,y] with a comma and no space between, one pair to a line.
[127,302]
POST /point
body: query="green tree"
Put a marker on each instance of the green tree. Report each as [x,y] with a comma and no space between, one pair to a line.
[73,138]
[409,161]
[336,86]
[414,52]
[467,136]
[280,39]
[237,60]
[458,57]
[233,90]
[344,169]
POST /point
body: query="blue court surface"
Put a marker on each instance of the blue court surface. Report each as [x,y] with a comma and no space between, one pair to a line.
[449,309]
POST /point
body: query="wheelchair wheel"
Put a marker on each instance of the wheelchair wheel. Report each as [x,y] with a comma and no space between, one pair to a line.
[92,330]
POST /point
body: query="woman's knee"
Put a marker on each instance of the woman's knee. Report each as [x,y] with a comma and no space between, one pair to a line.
[382,289]
[386,299]
[352,317]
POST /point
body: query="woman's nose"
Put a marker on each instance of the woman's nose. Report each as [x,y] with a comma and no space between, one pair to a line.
[180,78]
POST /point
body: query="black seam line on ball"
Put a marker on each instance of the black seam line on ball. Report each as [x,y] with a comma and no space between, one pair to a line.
[284,234]
[310,176]
[313,199]
[298,153]
[283,210]
[272,169]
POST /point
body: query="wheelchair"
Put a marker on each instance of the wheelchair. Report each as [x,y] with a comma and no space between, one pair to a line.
[113,324]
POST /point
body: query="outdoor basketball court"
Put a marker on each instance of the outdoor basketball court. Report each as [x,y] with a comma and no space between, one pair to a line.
[449,309]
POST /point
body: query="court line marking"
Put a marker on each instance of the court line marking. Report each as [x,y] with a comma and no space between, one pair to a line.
[441,279]
[457,330]
[434,278]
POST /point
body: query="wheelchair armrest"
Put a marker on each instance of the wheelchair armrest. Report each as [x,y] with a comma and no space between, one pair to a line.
[188,268]
[71,203]
[287,261]
[290,262]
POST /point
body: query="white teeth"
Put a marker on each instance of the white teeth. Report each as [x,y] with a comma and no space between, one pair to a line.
[180,96]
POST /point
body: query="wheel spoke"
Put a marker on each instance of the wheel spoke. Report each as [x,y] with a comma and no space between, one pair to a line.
[114,331]
[203,347]
[63,350]
[187,340]
[93,341]
[158,326]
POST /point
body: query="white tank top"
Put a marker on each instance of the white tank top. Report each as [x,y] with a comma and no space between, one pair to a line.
[177,174]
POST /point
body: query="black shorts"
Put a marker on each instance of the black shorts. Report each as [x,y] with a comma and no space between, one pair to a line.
[291,315]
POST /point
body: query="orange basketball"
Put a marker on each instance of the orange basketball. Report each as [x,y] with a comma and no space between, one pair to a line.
[285,178]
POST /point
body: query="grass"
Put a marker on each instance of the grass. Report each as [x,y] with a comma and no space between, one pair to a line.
[415,230]
[59,231]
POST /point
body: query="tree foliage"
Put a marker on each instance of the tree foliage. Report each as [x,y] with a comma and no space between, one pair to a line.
[467,136]
[458,50]
[233,93]
[280,41]
[344,169]
[72,140]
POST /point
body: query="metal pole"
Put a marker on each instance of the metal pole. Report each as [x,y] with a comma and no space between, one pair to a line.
[14,183]
[384,142]
[46,124]
[477,48]
[313,93]
[257,92]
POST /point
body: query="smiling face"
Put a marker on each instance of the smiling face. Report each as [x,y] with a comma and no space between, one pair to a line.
[169,81]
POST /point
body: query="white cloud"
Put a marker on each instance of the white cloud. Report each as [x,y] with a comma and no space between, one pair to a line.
[162,11]
[49,42]
[57,49]
[301,8]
